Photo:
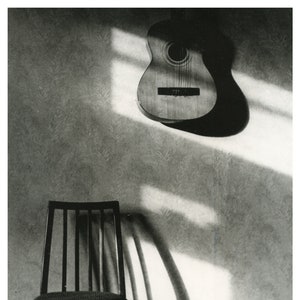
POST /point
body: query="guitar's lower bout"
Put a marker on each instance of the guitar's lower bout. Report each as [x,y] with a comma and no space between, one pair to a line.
[176,85]
[154,117]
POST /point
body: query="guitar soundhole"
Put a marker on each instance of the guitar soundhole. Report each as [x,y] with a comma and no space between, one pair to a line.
[177,52]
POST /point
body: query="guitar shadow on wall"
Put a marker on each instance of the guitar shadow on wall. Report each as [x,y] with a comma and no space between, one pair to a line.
[230,114]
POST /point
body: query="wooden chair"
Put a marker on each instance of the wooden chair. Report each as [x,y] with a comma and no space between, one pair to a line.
[91,211]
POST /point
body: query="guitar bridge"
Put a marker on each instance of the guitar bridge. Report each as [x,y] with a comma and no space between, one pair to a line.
[178,91]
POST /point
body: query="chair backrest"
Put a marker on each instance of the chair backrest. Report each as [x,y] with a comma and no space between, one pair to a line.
[90,210]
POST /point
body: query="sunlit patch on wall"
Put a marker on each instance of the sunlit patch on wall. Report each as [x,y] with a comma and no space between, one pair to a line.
[129,45]
[276,100]
[128,66]
[267,139]
[125,77]
[202,279]
[160,202]
[161,284]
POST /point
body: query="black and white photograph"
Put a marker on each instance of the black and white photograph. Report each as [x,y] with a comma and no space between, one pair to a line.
[150,153]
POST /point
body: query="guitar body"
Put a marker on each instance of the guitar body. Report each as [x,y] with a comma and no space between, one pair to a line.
[176,85]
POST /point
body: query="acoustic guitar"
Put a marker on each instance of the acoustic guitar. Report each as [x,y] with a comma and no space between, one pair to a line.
[176,85]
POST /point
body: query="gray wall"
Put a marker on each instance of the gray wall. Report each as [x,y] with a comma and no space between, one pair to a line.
[75,134]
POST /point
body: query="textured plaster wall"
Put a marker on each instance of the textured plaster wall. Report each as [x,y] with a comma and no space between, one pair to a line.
[67,141]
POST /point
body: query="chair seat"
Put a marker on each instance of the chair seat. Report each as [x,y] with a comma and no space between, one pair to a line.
[80,296]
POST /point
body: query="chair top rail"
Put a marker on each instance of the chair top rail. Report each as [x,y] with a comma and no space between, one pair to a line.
[84,205]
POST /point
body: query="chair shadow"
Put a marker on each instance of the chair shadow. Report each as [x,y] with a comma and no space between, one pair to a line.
[135,222]
[230,114]
[133,225]
[109,282]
